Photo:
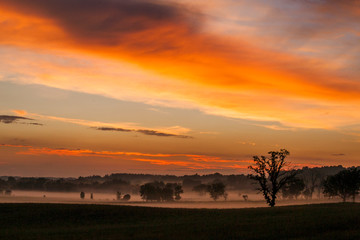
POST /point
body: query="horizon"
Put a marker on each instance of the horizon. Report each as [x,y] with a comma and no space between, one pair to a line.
[176,87]
[172,175]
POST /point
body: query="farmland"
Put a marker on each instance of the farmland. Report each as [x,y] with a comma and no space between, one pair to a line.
[84,221]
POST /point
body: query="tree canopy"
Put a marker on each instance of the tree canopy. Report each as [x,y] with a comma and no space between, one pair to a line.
[344,184]
[269,173]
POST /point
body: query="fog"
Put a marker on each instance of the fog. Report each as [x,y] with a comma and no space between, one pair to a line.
[189,200]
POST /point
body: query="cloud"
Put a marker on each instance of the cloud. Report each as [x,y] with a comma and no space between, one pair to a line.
[20,112]
[189,161]
[143,131]
[8,119]
[229,76]
[174,131]
[338,154]
[12,119]
[111,22]
[113,129]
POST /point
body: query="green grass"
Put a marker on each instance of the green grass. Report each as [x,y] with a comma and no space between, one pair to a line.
[62,221]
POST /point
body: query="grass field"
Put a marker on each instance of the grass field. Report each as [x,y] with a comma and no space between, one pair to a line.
[65,221]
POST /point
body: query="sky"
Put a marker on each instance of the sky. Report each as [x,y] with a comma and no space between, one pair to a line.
[177,87]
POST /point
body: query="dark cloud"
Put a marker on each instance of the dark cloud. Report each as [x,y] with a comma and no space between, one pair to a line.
[160,134]
[36,124]
[110,22]
[12,119]
[7,119]
[113,129]
[338,154]
[143,131]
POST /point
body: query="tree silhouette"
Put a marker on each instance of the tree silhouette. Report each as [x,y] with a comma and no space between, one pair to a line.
[216,190]
[177,191]
[270,175]
[159,191]
[344,184]
[311,178]
[293,188]
[126,197]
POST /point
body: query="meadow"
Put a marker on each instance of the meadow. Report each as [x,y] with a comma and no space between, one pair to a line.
[83,221]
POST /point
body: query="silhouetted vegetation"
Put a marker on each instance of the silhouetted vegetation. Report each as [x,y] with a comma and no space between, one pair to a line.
[270,175]
[216,190]
[344,184]
[159,191]
[130,183]
[126,197]
[293,188]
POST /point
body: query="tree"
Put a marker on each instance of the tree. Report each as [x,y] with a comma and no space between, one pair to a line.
[159,191]
[344,184]
[293,188]
[216,190]
[311,178]
[270,174]
[151,191]
[177,191]
[126,197]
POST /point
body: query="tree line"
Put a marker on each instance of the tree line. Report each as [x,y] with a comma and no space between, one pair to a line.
[271,176]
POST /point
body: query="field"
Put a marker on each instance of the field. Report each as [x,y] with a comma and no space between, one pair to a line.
[70,221]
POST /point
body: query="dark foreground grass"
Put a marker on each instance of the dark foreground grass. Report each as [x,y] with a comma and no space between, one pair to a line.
[62,221]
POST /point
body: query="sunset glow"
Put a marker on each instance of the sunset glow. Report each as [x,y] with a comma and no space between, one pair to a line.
[176,87]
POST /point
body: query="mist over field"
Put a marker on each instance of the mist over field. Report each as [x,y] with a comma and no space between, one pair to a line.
[239,190]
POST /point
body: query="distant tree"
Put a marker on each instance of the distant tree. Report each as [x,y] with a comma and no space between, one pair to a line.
[82,195]
[344,184]
[311,178]
[118,195]
[151,191]
[126,197]
[270,174]
[201,189]
[178,191]
[158,191]
[216,190]
[293,188]
[245,197]
[167,193]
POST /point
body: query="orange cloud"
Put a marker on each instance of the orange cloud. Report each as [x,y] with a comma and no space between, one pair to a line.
[20,112]
[189,161]
[221,75]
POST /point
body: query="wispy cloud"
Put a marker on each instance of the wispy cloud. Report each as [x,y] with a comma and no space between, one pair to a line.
[7,119]
[190,161]
[174,131]
[338,154]
[143,131]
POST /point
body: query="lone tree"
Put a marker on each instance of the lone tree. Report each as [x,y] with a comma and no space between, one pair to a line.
[270,175]
[344,184]
[216,190]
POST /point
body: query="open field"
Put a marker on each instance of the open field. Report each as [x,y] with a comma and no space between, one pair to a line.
[73,221]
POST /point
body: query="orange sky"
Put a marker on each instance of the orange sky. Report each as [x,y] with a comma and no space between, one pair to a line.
[217,79]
